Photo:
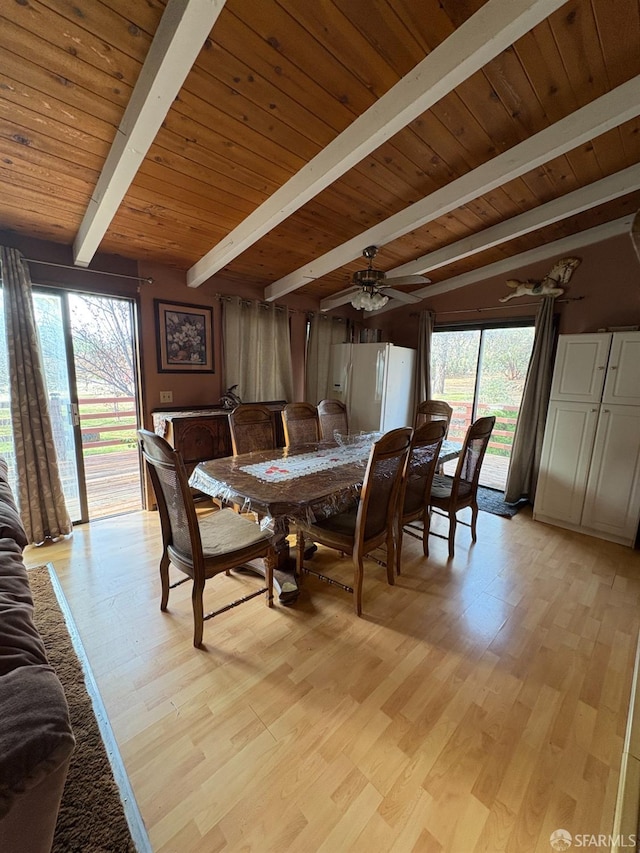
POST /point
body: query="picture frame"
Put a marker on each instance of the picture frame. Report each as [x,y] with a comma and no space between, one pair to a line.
[184,335]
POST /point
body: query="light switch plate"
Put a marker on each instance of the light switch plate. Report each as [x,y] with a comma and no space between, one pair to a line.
[166,396]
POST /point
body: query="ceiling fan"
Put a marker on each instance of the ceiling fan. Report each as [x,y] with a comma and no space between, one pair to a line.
[373,284]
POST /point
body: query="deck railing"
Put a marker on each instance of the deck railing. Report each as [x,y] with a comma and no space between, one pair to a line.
[111,422]
[114,421]
[502,435]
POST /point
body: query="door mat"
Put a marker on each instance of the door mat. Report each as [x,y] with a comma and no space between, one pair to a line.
[492,500]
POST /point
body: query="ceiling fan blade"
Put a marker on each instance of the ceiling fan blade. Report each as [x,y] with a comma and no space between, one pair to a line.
[390,281]
[400,295]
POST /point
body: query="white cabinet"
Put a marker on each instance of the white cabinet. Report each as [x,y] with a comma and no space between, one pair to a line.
[612,497]
[590,465]
[566,456]
[580,368]
[623,370]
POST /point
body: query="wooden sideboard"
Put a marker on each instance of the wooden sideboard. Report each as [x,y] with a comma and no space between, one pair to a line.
[203,433]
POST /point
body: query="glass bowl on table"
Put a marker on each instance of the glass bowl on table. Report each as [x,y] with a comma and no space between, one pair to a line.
[356,439]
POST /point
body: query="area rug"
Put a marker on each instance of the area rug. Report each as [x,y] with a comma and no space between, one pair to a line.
[92,817]
[492,500]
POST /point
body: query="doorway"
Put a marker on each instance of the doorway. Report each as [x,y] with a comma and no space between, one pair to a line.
[89,359]
[480,370]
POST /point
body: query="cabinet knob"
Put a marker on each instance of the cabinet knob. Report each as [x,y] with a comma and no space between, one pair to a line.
[594,410]
[614,367]
[606,411]
[601,367]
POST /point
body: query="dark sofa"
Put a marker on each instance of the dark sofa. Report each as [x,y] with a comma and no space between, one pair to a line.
[36,740]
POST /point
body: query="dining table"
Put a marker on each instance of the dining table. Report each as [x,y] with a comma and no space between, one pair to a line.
[285,484]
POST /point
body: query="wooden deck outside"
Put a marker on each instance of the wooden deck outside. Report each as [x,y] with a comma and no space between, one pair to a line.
[113,480]
[493,473]
[113,483]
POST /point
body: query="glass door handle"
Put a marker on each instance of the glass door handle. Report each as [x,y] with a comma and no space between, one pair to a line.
[75,415]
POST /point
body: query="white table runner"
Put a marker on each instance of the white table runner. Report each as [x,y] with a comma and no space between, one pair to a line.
[279,470]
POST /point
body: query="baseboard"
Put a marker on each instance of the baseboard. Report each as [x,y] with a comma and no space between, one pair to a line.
[627,813]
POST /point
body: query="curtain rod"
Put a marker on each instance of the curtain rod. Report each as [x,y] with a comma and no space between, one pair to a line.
[499,307]
[85,269]
[221,297]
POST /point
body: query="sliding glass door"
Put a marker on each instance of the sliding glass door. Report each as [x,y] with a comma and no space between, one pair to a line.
[88,352]
[479,371]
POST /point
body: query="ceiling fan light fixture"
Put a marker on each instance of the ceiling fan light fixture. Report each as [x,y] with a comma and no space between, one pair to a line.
[369,299]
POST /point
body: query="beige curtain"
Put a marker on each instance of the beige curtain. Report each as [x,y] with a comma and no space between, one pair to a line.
[257,350]
[40,497]
[527,441]
[324,331]
[422,377]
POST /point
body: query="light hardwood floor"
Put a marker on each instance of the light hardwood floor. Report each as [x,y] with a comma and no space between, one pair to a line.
[478,705]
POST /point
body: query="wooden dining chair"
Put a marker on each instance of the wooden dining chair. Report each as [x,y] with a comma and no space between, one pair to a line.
[451,494]
[415,491]
[368,524]
[333,417]
[432,410]
[199,546]
[251,427]
[301,424]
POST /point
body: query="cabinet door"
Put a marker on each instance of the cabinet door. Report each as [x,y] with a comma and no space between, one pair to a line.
[202,438]
[564,466]
[612,501]
[580,367]
[623,372]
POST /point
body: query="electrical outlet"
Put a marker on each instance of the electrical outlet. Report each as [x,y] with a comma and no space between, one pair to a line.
[166,396]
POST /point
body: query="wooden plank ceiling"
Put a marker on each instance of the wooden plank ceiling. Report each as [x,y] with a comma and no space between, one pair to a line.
[274,84]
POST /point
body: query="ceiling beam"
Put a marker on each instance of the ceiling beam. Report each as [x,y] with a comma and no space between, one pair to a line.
[183,29]
[606,112]
[492,29]
[599,192]
[558,248]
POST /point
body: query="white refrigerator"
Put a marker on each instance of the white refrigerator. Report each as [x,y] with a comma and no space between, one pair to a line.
[375,381]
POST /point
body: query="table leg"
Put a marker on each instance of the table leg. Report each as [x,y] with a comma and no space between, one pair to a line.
[284,572]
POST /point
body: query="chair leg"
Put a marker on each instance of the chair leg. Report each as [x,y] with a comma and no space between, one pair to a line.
[399,545]
[391,556]
[164,580]
[198,613]
[474,519]
[452,533]
[426,526]
[269,562]
[357,583]
[299,553]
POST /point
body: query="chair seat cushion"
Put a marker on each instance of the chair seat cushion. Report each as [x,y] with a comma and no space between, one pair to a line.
[225,531]
[344,523]
[337,531]
[442,485]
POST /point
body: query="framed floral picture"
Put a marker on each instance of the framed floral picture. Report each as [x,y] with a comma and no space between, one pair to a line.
[185,337]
